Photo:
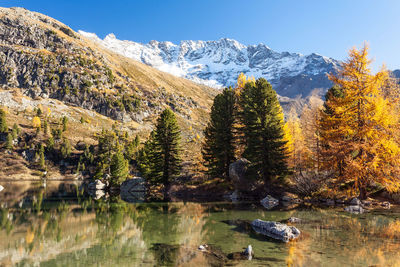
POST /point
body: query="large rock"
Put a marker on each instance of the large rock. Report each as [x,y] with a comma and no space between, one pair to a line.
[96,185]
[237,171]
[275,230]
[133,190]
[355,202]
[356,209]
[269,202]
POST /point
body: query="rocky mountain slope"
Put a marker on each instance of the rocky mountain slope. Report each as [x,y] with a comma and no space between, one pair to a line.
[45,58]
[218,63]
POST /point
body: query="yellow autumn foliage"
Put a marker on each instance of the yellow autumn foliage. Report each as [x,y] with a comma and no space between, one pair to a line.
[36,123]
[359,131]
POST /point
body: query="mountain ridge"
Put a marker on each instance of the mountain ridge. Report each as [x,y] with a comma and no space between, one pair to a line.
[218,63]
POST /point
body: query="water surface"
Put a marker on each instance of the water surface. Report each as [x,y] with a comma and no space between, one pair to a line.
[59,226]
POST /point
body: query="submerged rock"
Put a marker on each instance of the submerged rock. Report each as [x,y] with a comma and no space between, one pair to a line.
[133,190]
[385,204]
[247,254]
[294,220]
[356,209]
[269,202]
[276,230]
[291,198]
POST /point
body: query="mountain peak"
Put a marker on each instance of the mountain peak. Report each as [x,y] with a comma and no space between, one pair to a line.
[218,63]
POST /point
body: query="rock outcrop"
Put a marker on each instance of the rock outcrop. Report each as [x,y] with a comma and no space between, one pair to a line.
[237,173]
[133,190]
[269,202]
[276,230]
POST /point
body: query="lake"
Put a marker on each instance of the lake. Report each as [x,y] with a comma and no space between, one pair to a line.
[58,225]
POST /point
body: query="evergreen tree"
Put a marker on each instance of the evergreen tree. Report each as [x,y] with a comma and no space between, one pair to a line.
[9,141]
[41,157]
[145,156]
[3,122]
[119,168]
[15,131]
[219,145]
[45,128]
[163,160]
[262,120]
[64,123]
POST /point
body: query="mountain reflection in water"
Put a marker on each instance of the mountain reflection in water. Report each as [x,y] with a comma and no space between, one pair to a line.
[58,225]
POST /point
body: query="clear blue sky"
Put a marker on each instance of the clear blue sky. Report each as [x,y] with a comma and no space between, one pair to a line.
[326,27]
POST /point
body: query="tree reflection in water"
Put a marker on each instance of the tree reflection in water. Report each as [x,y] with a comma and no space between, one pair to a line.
[78,231]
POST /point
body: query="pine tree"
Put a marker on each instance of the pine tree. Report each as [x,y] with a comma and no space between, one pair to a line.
[64,123]
[119,168]
[358,129]
[9,141]
[45,128]
[262,120]
[163,160]
[15,131]
[41,157]
[145,156]
[3,122]
[219,145]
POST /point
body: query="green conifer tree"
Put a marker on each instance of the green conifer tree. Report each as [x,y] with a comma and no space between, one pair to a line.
[219,145]
[119,168]
[41,157]
[64,123]
[15,131]
[3,122]
[9,141]
[262,120]
[163,158]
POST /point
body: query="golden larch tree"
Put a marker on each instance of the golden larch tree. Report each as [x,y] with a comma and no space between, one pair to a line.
[358,128]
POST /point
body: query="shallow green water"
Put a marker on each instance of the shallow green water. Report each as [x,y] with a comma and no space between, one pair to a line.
[58,227]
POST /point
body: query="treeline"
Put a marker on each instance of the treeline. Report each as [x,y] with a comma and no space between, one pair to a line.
[348,144]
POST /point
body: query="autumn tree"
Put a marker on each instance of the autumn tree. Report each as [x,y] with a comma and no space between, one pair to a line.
[295,143]
[218,148]
[358,128]
[262,120]
[36,123]
[309,119]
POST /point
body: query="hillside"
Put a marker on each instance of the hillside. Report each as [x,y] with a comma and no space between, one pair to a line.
[43,63]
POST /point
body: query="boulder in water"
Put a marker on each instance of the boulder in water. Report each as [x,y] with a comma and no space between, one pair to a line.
[133,190]
[269,202]
[275,230]
[356,209]
[355,202]
[294,220]
[96,185]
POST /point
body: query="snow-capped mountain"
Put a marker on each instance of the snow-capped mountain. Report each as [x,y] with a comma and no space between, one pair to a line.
[218,63]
